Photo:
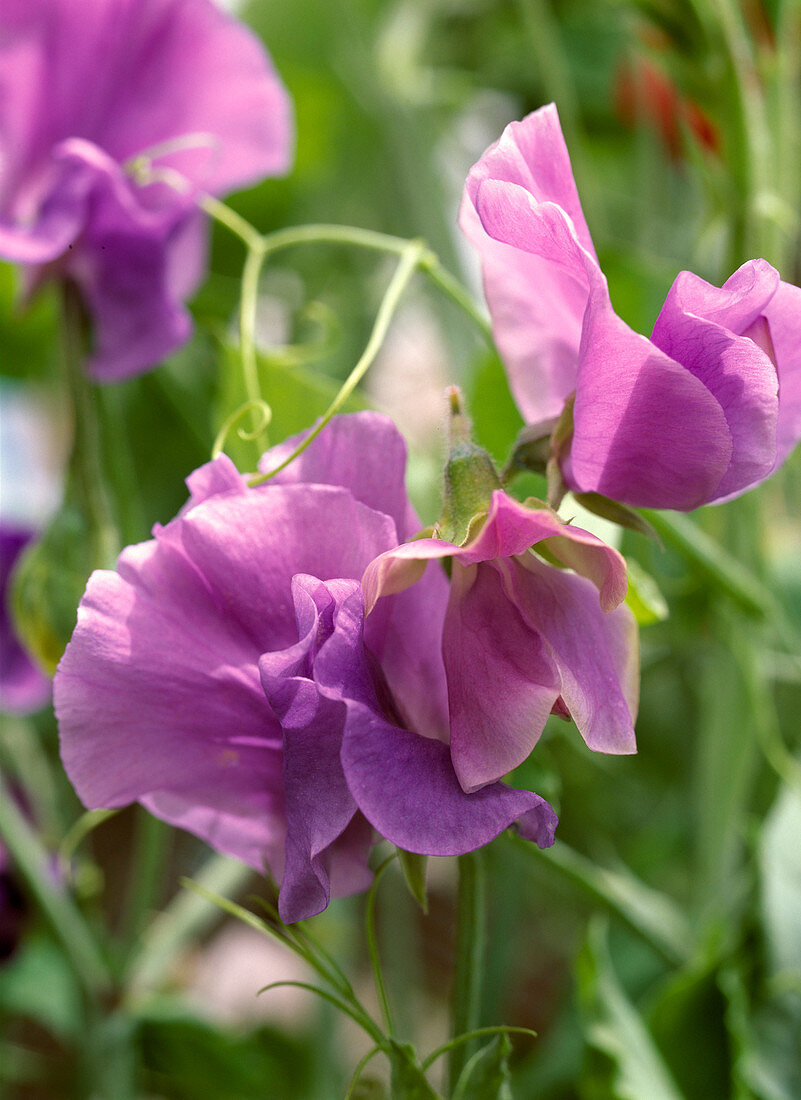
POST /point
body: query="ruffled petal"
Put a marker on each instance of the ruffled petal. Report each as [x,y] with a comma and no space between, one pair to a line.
[705,328]
[361,451]
[597,654]
[502,682]
[319,806]
[536,307]
[406,787]
[783,314]
[133,74]
[158,698]
[646,431]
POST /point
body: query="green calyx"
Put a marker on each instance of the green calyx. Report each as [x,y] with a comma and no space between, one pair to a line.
[470,478]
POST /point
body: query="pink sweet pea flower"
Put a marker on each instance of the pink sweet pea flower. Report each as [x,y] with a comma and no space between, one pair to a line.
[225,676]
[522,638]
[85,88]
[705,409]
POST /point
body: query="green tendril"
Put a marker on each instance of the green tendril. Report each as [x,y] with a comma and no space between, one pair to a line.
[230,423]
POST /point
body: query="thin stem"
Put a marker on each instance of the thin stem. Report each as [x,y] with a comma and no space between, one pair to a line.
[238,225]
[360,1018]
[470,943]
[248,306]
[186,917]
[85,824]
[409,262]
[372,945]
[152,848]
[86,460]
[334,234]
[360,1070]
[33,863]
[451,286]
[477,1033]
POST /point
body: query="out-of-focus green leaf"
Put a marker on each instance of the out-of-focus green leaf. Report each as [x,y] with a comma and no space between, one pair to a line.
[27,330]
[39,984]
[688,1022]
[643,596]
[486,1076]
[780,871]
[616,1029]
[647,911]
[185,1058]
[496,421]
[772,1063]
[50,579]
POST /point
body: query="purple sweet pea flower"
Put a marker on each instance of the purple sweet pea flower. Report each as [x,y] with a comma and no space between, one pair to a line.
[24,688]
[705,409]
[225,677]
[85,88]
[522,638]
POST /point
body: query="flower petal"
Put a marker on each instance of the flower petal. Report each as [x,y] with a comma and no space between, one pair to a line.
[361,451]
[702,326]
[596,654]
[502,682]
[646,431]
[319,805]
[537,334]
[407,789]
[783,314]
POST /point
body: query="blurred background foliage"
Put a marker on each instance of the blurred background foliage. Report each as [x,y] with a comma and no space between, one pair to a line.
[656,949]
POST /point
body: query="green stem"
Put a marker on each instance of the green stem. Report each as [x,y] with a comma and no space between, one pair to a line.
[372,945]
[146,878]
[86,459]
[33,863]
[451,286]
[184,920]
[409,262]
[470,943]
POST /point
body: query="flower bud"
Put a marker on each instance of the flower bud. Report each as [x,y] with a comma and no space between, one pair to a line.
[470,477]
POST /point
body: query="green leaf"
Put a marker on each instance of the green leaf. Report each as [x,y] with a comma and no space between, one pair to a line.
[617,513]
[39,984]
[688,1021]
[496,421]
[414,872]
[185,1057]
[486,1076]
[780,869]
[616,1029]
[408,1082]
[50,578]
[643,596]
[650,913]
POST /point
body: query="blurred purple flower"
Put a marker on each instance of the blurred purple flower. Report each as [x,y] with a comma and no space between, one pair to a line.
[13,907]
[225,676]
[522,638]
[85,88]
[24,688]
[705,409]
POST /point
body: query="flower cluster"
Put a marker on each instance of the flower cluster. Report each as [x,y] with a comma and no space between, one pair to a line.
[706,408]
[85,90]
[227,677]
